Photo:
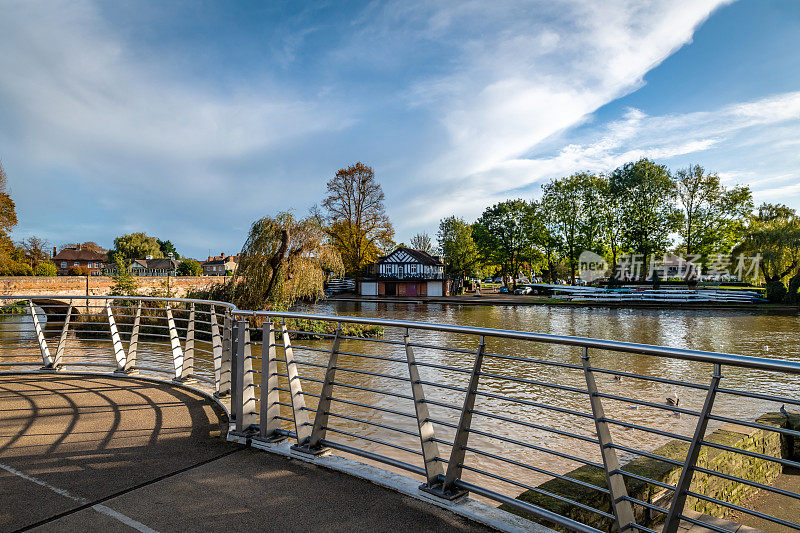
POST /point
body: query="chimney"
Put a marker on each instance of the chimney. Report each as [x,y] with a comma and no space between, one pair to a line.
[55,251]
[222,254]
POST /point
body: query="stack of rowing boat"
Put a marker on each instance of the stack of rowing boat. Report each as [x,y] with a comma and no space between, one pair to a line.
[598,294]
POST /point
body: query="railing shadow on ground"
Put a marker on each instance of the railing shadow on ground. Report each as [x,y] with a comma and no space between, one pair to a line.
[478,411]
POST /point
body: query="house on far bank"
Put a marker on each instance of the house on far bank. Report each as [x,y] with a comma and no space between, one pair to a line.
[75,258]
[154,267]
[406,272]
[220,265]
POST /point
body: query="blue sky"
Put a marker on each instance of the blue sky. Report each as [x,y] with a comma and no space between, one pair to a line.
[191,120]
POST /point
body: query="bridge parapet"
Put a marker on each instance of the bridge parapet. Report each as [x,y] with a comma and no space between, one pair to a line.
[464,410]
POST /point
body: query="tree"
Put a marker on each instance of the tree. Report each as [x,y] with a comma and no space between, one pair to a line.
[78,271]
[283,260]
[574,207]
[713,218]
[36,250]
[124,282]
[189,267]
[46,268]
[458,249]
[135,246]
[88,245]
[423,243]
[8,210]
[611,221]
[774,233]
[166,247]
[648,214]
[355,217]
[504,235]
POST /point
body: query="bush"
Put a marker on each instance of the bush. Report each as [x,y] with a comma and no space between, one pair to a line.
[78,271]
[791,295]
[776,292]
[189,267]
[46,268]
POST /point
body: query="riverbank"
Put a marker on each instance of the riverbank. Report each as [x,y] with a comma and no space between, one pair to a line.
[510,299]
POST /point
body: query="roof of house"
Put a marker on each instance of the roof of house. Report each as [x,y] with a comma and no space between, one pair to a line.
[83,254]
[156,264]
[421,257]
[219,260]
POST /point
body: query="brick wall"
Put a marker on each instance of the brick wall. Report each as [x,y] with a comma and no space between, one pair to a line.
[98,285]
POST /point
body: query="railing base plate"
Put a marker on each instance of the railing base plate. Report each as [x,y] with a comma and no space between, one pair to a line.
[305,451]
[454,496]
[271,439]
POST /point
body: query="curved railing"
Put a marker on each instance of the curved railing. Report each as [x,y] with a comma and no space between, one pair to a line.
[579,425]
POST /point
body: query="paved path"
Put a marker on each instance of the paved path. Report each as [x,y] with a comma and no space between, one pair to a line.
[119,454]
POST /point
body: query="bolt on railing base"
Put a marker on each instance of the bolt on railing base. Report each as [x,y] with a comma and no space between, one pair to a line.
[247,433]
[131,372]
[308,451]
[453,496]
[270,439]
[185,381]
[49,368]
[222,394]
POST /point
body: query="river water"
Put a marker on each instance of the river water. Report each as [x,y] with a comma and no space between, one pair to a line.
[762,335]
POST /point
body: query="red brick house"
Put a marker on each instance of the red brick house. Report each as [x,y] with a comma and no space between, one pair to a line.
[79,257]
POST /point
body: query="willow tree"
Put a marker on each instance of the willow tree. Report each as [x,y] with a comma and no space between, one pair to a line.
[283,260]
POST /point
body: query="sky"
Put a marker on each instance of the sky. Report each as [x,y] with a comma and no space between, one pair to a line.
[189,120]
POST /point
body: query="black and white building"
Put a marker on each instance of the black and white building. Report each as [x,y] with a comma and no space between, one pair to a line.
[406,272]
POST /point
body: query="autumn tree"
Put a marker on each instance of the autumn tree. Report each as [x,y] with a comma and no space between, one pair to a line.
[458,249]
[504,237]
[355,217]
[713,217]
[423,243]
[36,250]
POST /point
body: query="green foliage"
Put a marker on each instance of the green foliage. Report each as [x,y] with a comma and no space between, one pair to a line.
[774,233]
[457,247]
[135,246]
[503,235]
[46,268]
[282,260]
[124,281]
[792,296]
[78,271]
[713,218]
[166,247]
[648,215]
[189,267]
[776,292]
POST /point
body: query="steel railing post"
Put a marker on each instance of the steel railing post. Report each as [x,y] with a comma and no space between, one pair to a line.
[187,371]
[175,343]
[245,388]
[62,340]
[226,355]
[684,482]
[133,344]
[236,401]
[457,454]
[216,348]
[312,443]
[116,341]
[47,361]
[430,450]
[618,492]
[270,408]
[302,426]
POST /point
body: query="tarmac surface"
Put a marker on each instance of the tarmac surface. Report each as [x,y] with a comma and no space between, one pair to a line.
[82,453]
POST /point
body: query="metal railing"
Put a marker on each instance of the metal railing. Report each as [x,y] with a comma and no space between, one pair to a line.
[570,421]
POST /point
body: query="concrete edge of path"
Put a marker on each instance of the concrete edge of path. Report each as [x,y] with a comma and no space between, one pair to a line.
[476,511]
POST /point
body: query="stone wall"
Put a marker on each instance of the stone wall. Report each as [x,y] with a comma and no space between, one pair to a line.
[98,285]
[736,436]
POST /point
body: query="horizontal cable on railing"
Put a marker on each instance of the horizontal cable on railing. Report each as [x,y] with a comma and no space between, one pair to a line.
[556,386]
[743,481]
[741,509]
[537,426]
[384,409]
[535,361]
[375,374]
[370,439]
[374,424]
[654,405]
[534,404]
[367,389]
[537,469]
[707,525]
[639,528]
[537,448]
[643,479]
[373,456]
[645,377]
[539,512]
[443,404]
[784,462]
[354,354]
[756,425]
[637,427]
[539,490]
[758,396]
[646,454]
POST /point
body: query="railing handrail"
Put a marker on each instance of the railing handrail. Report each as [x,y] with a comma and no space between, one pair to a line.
[760,363]
[228,305]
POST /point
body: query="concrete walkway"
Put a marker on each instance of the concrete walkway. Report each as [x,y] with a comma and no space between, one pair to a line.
[84,453]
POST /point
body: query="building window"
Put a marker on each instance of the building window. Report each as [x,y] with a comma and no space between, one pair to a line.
[63,264]
[75,263]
